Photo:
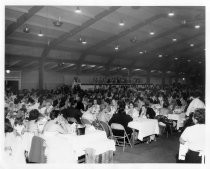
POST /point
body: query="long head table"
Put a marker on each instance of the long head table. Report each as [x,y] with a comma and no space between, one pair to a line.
[146,127]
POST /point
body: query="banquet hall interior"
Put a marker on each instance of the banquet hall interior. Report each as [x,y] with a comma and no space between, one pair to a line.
[104,84]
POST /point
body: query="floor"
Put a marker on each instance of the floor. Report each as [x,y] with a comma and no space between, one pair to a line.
[164,150]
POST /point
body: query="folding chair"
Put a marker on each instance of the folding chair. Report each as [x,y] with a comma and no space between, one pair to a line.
[85,121]
[107,129]
[119,127]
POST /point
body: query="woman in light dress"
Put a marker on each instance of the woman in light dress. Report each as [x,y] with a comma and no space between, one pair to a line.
[132,111]
[58,149]
[13,145]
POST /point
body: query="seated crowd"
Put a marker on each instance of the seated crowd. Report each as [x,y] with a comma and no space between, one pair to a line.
[41,111]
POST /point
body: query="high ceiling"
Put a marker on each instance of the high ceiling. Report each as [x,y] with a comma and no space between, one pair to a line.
[176,46]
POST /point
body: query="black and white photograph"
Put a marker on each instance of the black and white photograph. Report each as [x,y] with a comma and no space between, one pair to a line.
[104,84]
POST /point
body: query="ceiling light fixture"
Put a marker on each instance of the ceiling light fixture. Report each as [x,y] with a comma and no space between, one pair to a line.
[78,10]
[174,39]
[160,56]
[82,40]
[116,47]
[26,29]
[197,26]
[40,34]
[124,68]
[191,44]
[141,52]
[8,71]
[58,22]
[175,58]
[171,14]
[121,23]
[152,33]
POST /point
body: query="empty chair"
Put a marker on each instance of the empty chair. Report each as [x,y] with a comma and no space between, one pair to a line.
[119,137]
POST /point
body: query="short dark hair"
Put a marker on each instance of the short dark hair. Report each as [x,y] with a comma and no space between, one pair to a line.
[54,114]
[196,93]
[18,121]
[121,105]
[7,126]
[199,115]
[33,114]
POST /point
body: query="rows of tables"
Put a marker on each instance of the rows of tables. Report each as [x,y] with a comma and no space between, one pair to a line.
[100,144]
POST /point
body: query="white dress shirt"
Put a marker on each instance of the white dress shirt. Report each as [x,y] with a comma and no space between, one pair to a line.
[194,104]
[195,137]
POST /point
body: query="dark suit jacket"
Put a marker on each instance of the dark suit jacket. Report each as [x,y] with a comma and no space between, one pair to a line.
[123,119]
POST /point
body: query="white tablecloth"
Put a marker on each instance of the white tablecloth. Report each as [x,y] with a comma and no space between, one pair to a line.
[179,118]
[96,140]
[146,127]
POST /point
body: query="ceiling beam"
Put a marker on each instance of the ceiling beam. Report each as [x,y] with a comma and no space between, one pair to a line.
[78,29]
[160,50]
[42,45]
[142,43]
[25,43]
[120,35]
[56,60]
[29,64]
[14,63]
[22,19]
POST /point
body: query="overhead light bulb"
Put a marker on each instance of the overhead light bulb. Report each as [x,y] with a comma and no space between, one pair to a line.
[8,71]
[26,29]
[191,44]
[197,26]
[84,42]
[171,14]
[174,39]
[116,48]
[40,34]
[78,10]
[160,56]
[141,52]
[121,23]
[152,33]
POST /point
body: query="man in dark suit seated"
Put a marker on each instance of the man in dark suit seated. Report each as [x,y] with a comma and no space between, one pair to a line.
[121,118]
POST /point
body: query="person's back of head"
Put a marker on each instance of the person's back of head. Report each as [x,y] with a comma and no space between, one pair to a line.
[121,107]
[8,127]
[199,115]
[196,94]
[54,114]
[33,114]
